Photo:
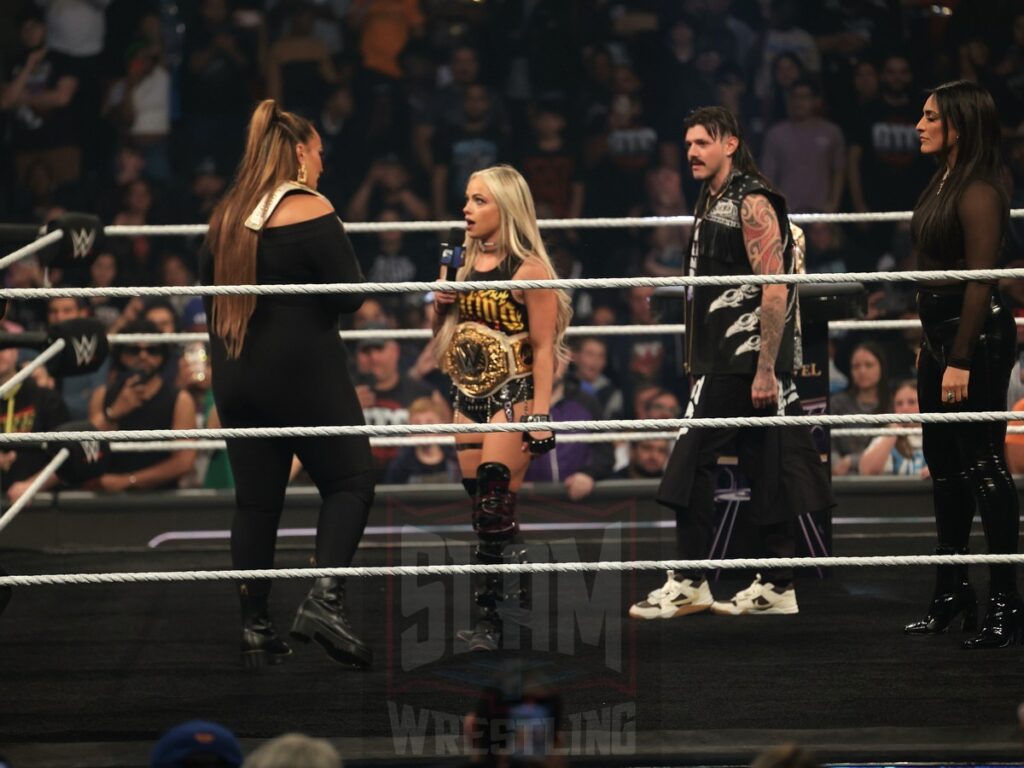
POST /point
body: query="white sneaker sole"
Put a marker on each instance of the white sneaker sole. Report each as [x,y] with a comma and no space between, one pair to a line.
[682,610]
[728,609]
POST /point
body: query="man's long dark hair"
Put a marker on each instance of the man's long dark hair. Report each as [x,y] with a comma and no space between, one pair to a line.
[968,109]
[719,122]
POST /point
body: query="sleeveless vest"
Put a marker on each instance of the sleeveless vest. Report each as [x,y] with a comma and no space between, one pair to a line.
[723,323]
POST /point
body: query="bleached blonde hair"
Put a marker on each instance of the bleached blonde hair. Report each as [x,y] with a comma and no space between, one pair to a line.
[518,236]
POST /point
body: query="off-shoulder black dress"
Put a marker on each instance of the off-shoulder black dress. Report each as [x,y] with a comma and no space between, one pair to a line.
[293,371]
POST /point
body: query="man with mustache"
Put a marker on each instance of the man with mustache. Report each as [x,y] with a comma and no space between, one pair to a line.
[740,354]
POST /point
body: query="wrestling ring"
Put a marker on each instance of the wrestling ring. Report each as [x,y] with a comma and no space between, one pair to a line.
[123,618]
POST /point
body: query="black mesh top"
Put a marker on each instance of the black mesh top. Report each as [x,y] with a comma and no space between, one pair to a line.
[981,213]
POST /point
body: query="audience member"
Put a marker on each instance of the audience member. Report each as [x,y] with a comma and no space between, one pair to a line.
[577,466]
[805,155]
[433,463]
[197,743]
[137,397]
[294,750]
[589,360]
[897,454]
[474,143]
[868,393]
[28,408]
[647,459]
[299,69]
[76,391]
[385,392]
[38,93]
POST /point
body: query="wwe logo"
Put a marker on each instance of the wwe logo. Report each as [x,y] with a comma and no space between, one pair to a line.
[85,349]
[92,451]
[82,242]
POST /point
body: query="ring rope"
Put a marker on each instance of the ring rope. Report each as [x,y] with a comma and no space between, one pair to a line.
[759,563]
[137,230]
[574,330]
[610,425]
[416,440]
[187,230]
[30,367]
[827,278]
[30,493]
[27,250]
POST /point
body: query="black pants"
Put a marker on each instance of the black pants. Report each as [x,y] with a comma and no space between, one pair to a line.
[261,468]
[771,458]
[967,461]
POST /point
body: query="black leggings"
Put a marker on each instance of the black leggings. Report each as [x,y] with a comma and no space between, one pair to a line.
[967,461]
[261,468]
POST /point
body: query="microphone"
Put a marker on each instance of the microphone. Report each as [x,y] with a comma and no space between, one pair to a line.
[86,345]
[452,253]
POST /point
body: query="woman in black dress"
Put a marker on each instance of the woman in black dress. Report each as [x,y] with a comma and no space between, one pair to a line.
[968,351]
[278,361]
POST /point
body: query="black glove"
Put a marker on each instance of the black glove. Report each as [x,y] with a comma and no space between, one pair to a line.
[535,446]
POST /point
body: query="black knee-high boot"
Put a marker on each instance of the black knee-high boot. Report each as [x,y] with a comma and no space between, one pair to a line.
[1000,515]
[261,644]
[954,513]
[496,527]
[323,617]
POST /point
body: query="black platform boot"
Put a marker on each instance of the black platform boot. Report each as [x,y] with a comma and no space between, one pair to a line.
[1000,515]
[1003,625]
[953,596]
[498,597]
[322,618]
[261,644]
[486,634]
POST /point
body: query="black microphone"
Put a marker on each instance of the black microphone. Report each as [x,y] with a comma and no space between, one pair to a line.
[452,252]
[86,347]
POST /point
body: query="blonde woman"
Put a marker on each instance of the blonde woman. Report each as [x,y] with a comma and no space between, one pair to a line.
[500,348]
[278,361]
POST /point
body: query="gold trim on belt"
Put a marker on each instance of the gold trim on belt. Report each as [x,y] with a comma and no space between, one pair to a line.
[481,360]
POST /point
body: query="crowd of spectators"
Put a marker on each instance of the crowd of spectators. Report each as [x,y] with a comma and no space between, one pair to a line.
[133,109]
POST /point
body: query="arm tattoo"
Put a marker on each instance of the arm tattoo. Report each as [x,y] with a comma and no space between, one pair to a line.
[761,235]
[764,249]
[773,322]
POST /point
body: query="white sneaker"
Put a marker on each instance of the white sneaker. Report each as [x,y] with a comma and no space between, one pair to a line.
[675,598]
[760,597]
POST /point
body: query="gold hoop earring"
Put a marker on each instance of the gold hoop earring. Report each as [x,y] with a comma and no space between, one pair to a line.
[302,174]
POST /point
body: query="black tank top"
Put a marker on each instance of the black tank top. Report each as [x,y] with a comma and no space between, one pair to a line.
[496,309]
[156,413]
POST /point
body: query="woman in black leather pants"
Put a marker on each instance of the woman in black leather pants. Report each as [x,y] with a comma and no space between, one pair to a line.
[969,348]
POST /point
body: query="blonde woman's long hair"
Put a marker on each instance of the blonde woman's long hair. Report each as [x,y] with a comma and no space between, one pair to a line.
[518,236]
[269,160]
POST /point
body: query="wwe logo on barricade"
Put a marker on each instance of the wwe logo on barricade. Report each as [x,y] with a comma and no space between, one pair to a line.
[92,451]
[85,349]
[82,242]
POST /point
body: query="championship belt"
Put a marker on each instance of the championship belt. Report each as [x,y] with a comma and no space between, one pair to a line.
[481,360]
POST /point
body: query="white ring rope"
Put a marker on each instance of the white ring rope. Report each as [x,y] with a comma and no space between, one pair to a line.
[30,367]
[622,222]
[611,425]
[827,278]
[34,247]
[571,331]
[759,563]
[398,442]
[37,482]
[404,333]
[415,440]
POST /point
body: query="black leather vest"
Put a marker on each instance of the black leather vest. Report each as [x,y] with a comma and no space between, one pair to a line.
[723,323]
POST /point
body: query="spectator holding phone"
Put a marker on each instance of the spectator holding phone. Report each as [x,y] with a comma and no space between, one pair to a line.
[138,397]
